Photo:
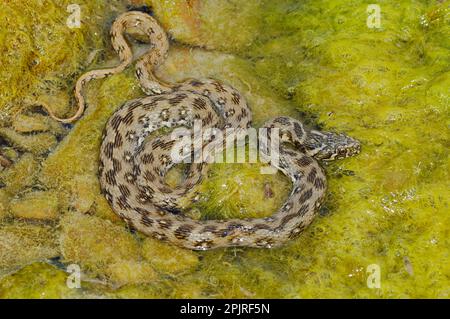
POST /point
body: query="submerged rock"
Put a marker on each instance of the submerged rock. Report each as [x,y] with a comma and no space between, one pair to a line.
[130,272]
[213,24]
[96,244]
[4,204]
[31,123]
[168,258]
[83,193]
[20,175]
[22,243]
[22,284]
[38,144]
[40,51]
[36,205]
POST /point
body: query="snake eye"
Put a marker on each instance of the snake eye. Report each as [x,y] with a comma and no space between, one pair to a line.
[342,152]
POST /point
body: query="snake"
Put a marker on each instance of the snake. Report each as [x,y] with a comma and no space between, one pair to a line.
[134,159]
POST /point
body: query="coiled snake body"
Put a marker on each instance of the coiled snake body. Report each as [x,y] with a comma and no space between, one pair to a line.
[133,163]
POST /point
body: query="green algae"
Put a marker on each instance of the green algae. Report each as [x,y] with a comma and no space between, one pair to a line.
[20,176]
[36,205]
[22,243]
[315,60]
[231,191]
[36,281]
[210,24]
[41,52]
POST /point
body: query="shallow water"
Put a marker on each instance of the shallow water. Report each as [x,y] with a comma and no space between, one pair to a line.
[386,209]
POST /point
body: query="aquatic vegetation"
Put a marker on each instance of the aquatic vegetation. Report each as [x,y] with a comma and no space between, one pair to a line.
[19,176]
[41,52]
[210,24]
[315,60]
[36,281]
[167,259]
[37,144]
[36,205]
[110,252]
[22,243]
[96,244]
[232,189]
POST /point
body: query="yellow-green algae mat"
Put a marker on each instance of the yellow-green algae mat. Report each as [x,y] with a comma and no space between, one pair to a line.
[315,60]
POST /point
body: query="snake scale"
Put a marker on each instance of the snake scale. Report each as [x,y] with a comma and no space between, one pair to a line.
[133,162]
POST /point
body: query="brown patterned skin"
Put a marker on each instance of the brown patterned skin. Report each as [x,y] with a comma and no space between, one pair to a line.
[133,162]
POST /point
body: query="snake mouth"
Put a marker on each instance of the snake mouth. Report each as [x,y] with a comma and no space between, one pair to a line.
[357,149]
[353,150]
[343,152]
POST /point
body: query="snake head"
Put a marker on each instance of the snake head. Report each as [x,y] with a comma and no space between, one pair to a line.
[329,146]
